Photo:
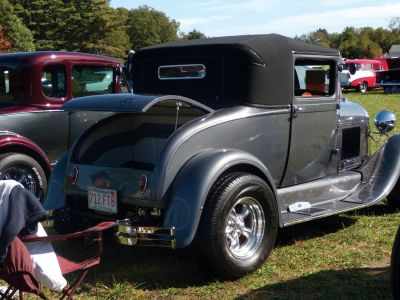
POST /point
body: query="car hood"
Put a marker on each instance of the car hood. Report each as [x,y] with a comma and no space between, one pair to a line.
[126,103]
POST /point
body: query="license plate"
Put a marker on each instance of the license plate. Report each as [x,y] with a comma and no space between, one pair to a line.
[102,200]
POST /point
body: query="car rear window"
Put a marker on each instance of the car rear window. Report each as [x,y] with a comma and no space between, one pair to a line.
[173,72]
[11,85]
[53,81]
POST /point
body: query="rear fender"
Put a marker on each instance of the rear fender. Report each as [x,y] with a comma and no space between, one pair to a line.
[12,142]
[193,183]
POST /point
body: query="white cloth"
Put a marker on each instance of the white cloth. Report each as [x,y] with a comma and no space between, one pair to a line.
[5,189]
[45,263]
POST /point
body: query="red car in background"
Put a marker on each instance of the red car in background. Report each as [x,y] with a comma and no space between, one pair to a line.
[33,130]
[364,76]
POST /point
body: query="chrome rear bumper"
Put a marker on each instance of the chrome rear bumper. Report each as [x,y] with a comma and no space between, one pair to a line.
[145,236]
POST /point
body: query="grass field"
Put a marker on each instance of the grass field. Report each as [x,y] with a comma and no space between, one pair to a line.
[341,257]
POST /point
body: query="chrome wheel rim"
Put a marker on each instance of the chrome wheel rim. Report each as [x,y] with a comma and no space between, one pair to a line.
[24,176]
[244,229]
[363,87]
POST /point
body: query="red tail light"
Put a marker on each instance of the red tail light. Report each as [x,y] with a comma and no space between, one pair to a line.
[74,175]
[143,183]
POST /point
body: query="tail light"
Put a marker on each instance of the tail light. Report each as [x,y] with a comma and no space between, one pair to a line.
[143,183]
[74,175]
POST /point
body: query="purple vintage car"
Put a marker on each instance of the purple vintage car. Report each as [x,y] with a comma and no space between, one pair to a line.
[33,129]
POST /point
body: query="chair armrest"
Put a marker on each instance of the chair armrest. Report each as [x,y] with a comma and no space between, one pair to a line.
[95,229]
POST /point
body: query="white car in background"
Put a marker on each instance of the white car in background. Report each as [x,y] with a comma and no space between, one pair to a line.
[363,76]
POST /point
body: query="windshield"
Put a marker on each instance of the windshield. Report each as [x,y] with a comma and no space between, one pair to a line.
[11,85]
[346,66]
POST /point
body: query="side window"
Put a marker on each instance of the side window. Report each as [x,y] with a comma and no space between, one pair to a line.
[123,85]
[377,67]
[92,80]
[367,67]
[314,78]
[5,94]
[53,81]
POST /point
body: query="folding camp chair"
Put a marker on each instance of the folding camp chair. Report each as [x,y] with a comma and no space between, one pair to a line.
[24,281]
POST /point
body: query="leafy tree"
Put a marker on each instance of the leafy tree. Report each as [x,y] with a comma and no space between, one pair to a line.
[147,27]
[356,43]
[14,36]
[42,18]
[193,35]
[75,25]
[319,37]
[394,22]
[93,26]
[365,42]
[335,39]
[383,37]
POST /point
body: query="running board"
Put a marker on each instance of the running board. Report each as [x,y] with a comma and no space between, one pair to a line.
[321,211]
[378,177]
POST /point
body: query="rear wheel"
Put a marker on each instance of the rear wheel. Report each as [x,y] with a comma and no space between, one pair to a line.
[239,224]
[26,171]
[395,267]
[363,87]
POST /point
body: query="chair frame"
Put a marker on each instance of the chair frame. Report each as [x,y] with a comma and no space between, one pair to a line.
[93,234]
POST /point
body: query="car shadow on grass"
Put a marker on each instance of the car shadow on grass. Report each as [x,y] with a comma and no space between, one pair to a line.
[357,283]
[154,268]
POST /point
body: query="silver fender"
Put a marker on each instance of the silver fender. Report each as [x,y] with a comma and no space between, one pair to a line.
[193,183]
[382,172]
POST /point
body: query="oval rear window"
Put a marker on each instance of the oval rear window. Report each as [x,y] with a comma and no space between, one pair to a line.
[171,72]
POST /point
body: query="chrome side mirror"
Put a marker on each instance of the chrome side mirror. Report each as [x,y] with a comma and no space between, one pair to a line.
[385,121]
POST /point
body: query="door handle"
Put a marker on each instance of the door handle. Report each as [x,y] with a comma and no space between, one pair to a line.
[296,109]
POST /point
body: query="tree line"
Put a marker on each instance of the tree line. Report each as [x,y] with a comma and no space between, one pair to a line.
[93,26]
[365,42]
[83,25]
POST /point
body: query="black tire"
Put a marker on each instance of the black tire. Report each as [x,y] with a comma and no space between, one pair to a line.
[238,204]
[393,199]
[25,170]
[363,87]
[395,267]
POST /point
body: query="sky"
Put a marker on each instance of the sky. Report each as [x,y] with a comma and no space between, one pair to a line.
[290,17]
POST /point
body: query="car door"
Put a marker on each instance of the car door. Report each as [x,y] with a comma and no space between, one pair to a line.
[313,121]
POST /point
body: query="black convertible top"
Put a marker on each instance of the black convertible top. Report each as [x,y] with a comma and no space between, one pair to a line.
[254,69]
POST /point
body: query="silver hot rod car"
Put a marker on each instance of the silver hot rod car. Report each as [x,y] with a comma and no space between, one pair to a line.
[258,138]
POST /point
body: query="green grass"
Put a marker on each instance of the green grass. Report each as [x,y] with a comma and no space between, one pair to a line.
[340,257]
